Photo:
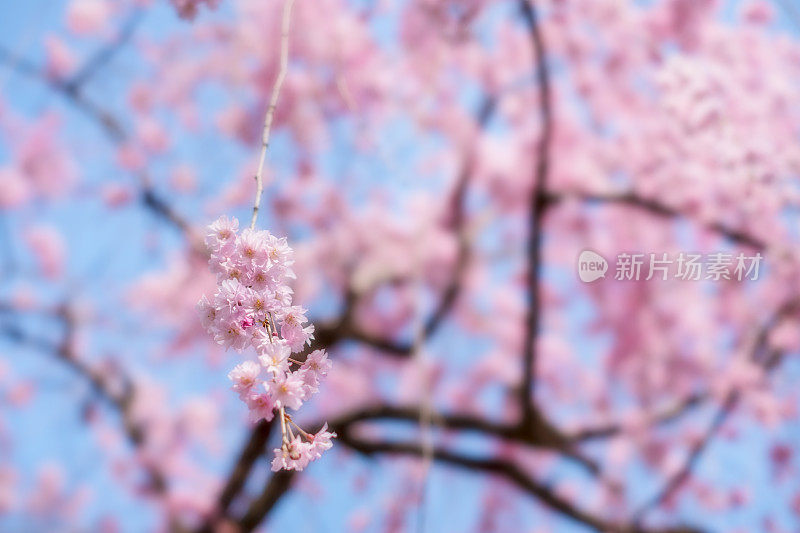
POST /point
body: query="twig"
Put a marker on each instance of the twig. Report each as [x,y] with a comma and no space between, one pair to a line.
[730,402]
[679,478]
[108,122]
[668,415]
[20,65]
[273,102]
[119,397]
[105,54]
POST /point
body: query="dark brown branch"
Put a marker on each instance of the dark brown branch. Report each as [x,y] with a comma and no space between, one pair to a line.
[609,430]
[387,346]
[252,450]
[458,200]
[104,118]
[250,453]
[276,487]
[454,421]
[158,206]
[538,434]
[19,336]
[659,209]
[20,65]
[536,213]
[504,469]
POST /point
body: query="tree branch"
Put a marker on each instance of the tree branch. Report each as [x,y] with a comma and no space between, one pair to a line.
[538,434]
[768,361]
[668,415]
[250,453]
[118,394]
[72,92]
[105,54]
[656,208]
[276,487]
[536,213]
[273,103]
[504,469]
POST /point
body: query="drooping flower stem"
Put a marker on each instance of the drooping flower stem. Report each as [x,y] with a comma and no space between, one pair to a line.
[273,103]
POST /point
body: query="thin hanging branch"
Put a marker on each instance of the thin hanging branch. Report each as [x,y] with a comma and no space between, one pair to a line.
[273,103]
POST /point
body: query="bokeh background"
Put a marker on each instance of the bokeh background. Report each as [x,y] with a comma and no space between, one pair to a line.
[438,166]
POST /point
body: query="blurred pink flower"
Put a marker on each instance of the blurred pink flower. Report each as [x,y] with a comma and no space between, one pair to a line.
[183,179]
[116,195]
[48,249]
[60,59]
[85,17]
[14,191]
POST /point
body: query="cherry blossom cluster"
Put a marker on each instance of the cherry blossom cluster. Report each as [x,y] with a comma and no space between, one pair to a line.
[252,307]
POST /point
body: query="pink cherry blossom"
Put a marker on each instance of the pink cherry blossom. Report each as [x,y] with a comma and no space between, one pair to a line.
[320,442]
[294,455]
[288,390]
[274,356]
[318,363]
[14,191]
[252,270]
[244,377]
[87,16]
[60,58]
[261,406]
[49,249]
